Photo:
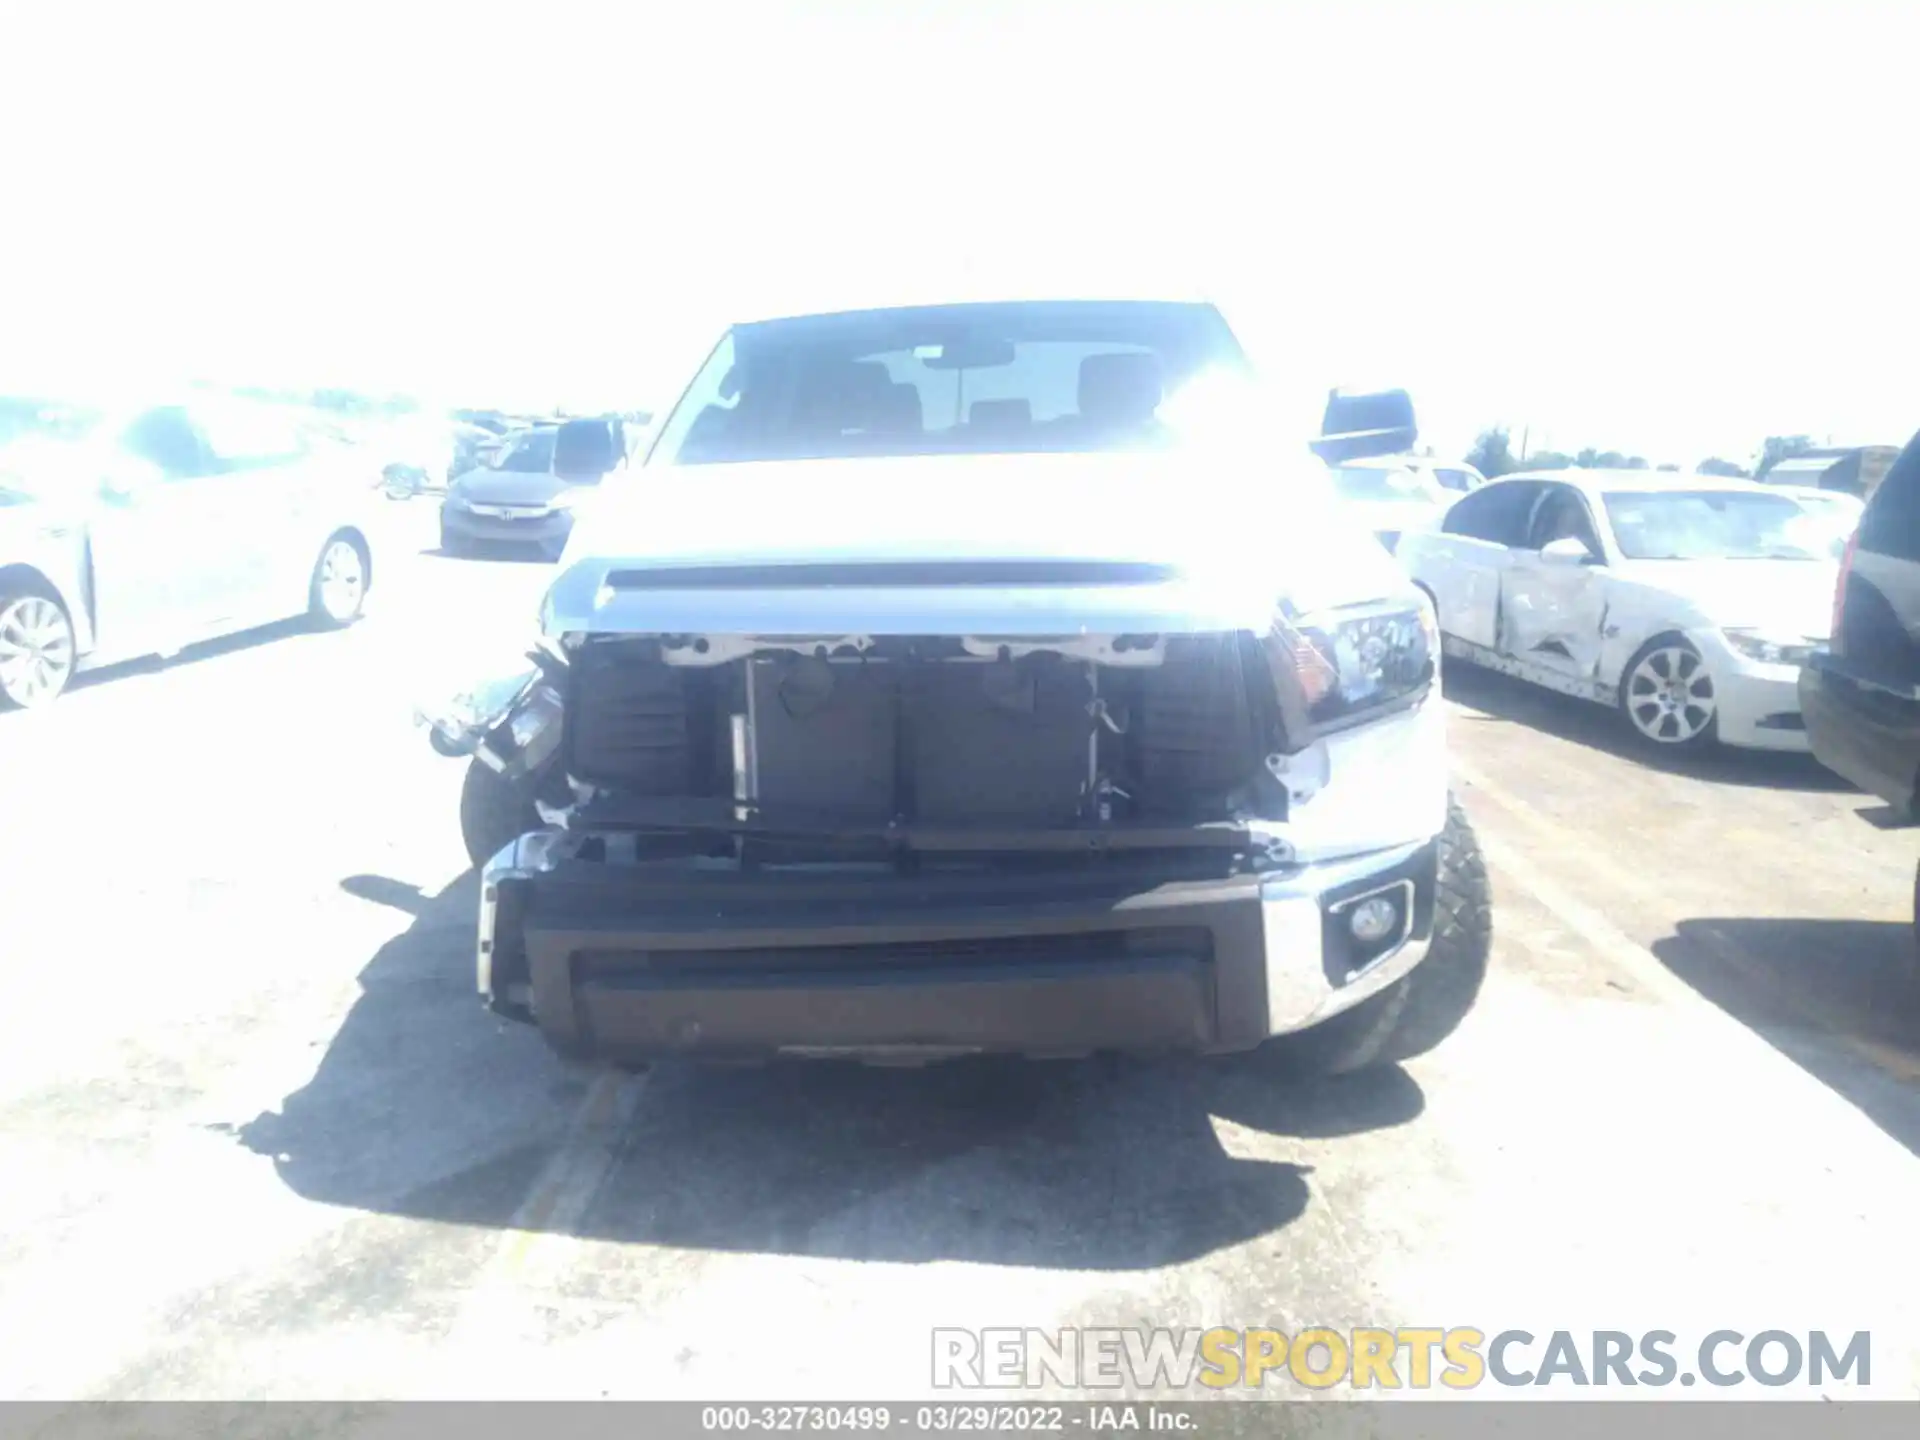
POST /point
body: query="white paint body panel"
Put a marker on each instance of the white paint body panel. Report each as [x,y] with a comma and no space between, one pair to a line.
[1576,628]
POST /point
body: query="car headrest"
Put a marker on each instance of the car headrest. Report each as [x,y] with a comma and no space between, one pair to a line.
[1124,387]
[900,411]
[841,394]
[1000,415]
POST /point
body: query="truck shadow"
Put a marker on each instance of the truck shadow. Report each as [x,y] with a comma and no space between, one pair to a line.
[428,1107]
[1840,998]
[1504,698]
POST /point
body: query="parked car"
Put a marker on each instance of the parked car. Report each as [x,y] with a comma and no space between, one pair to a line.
[526,493]
[1391,495]
[1686,602]
[1860,692]
[1837,512]
[176,525]
[930,726]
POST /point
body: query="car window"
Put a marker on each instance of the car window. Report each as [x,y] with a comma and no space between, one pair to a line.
[1454,479]
[531,454]
[1890,525]
[1562,515]
[983,378]
[1714,525]
[245,436]
[1497,513]
[169,439]
[1378,482]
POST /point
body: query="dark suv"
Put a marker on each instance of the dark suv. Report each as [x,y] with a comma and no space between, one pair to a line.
[1861,694]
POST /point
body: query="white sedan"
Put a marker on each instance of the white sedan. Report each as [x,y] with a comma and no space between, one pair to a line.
[1838,512]
[1686,602]
[179,524]
[1390,497]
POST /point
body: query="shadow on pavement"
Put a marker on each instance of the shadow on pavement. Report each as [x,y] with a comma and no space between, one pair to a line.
[493,550]
[194,654]
[427,1106]
[1806,986]
[1502,697]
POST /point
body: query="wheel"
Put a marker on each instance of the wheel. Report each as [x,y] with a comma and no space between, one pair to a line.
[1417,1012]
[339,589]
[450,543]
[494,811]
[37,648]
[1667,696]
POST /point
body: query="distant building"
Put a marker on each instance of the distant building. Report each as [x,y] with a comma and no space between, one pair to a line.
[1855,469]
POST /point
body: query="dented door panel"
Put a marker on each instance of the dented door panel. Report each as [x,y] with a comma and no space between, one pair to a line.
[1465,584]
[1553,616]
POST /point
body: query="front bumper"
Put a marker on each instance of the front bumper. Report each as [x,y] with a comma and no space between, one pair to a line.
[656,959]
[1758,704]
[542,527]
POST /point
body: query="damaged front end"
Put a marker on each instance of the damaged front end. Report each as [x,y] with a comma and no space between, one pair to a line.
[912,845]
[509,723]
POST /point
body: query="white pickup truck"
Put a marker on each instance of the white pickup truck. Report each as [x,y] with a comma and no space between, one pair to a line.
[945,682]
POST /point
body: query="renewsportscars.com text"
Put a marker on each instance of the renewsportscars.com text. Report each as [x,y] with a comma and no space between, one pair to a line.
[1407,1357]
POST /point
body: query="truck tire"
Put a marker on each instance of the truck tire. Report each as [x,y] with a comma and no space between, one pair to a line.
[494,811]
[1416,1013]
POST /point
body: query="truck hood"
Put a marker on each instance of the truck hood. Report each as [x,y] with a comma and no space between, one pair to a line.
[1165,542]
[1782,597]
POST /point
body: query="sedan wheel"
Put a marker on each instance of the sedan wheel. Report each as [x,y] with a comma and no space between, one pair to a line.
[1668,695]
[36,649]
[339,582]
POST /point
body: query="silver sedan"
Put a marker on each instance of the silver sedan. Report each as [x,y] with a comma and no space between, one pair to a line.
[176,525]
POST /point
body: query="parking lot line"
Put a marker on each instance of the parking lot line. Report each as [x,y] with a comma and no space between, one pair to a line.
[490,1325]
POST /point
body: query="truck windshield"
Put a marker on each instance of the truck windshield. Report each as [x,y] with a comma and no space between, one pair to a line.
[963,378]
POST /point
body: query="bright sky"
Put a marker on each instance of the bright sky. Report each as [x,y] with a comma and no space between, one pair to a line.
[1667,229]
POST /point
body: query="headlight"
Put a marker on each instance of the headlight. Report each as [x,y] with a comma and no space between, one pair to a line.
[564,500]
[474,711]
[1349,662]
[1770,649]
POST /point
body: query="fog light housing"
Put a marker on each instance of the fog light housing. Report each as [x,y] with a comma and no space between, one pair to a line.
[1362,929]
[1374,919]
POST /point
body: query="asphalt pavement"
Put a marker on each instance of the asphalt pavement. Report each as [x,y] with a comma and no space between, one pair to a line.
[259,1138]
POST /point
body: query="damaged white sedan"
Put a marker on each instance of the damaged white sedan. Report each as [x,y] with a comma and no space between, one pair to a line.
[1686,601]
[931,691]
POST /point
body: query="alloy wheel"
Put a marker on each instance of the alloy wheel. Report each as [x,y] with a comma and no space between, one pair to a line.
[342,583]
[1669,696]
[36,650]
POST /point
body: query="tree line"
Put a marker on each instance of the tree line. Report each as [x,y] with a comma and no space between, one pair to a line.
[1492,455]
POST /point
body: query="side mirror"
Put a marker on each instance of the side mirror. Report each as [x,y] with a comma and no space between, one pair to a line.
[1566,551]
[1359,424]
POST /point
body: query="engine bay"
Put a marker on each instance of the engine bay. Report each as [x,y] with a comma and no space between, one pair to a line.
[833,747]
